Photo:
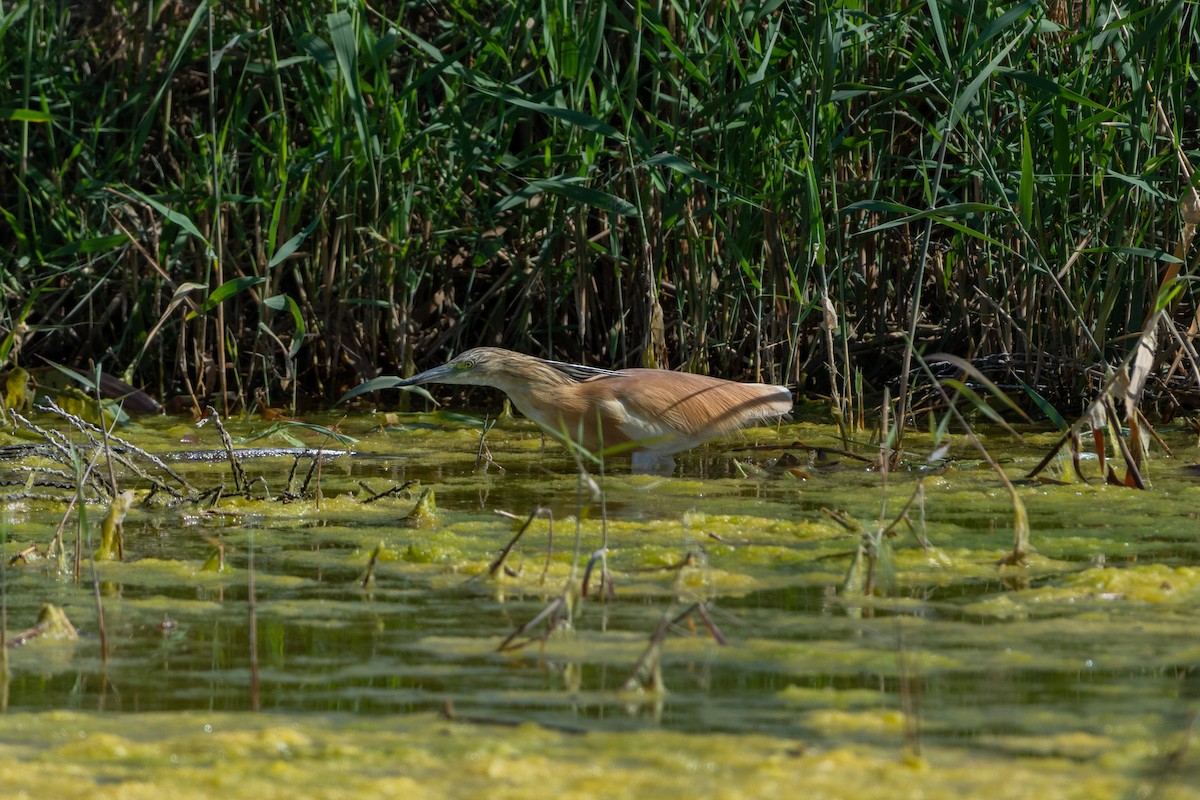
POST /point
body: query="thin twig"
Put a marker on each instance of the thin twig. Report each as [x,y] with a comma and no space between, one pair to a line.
[240,482]
[395,490]
[370,574]
[499,560]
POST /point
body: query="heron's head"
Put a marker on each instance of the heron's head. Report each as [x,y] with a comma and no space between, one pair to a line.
[480,366]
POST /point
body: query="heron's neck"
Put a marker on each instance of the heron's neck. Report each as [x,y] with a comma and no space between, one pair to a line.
[533,377]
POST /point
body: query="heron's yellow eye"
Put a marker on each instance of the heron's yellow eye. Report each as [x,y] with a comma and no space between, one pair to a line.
[464,365]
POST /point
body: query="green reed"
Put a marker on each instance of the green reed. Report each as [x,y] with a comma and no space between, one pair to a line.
[795,192]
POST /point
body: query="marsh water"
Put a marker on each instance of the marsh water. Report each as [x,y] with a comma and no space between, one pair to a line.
[1074,674]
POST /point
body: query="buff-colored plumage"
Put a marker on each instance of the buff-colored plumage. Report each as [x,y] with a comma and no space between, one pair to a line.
[659,411]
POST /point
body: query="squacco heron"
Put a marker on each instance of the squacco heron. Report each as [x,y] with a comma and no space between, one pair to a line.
[655,412]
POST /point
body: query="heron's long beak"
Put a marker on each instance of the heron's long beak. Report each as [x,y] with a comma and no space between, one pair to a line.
[443,374]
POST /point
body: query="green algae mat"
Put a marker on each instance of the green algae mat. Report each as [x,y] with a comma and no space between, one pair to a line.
[437,618]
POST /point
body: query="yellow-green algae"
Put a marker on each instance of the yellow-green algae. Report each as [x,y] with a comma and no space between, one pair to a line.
[199,755]
[1071,676]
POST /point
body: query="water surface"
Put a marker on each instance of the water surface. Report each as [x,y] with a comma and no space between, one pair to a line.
[1081,663]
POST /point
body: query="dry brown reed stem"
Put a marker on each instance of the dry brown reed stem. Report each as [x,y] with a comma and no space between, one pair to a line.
[700,608]
[917,497]
[240,483]
[537,512]
[369,576]
[499,560]
[1133,476]
[373,496]
[308,476]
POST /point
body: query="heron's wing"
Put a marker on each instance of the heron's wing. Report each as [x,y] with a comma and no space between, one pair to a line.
[661,403]
[581,372]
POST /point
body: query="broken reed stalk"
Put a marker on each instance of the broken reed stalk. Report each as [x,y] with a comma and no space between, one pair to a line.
[371,562]
[608,590]
[373,495]
[1133,475]
[312,470]
[240,483]
[498,561]
[291,476]
[549,513]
